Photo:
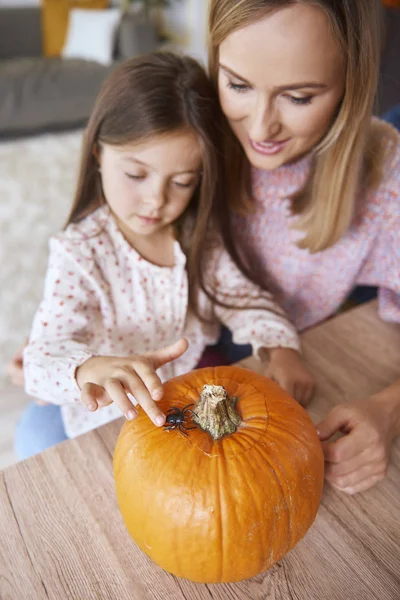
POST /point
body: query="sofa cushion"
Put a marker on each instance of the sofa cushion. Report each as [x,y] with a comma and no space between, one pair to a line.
[47,94]
[91,34]
[55,16]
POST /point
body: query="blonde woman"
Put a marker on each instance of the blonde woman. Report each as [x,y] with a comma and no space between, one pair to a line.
[315,181]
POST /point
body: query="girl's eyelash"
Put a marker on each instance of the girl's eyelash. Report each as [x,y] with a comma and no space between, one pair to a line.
[238,87]
[183,185]
[134,176]
[301,101]
[141,177]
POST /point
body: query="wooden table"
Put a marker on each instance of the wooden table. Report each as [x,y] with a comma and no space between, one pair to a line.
[62,536]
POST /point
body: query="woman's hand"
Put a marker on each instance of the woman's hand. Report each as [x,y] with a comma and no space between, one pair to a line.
[359,459]
[286,367]
[107,379]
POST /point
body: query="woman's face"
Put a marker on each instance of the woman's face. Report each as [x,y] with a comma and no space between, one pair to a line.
[280,82]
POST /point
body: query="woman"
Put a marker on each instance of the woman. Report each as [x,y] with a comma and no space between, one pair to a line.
[315,182]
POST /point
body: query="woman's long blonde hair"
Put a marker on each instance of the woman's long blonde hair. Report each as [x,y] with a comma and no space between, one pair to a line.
[349,152]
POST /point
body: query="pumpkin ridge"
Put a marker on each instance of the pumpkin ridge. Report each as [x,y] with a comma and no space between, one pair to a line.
[297,460]
[131,425]
[238,439]
[221,523]
[266,459]
[166,465]
[288,432]
[245,421]
[257,507]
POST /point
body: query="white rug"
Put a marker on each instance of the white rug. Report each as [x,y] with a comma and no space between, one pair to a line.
[37,183]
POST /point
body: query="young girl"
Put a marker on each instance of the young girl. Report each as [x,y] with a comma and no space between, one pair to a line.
[138,282]
[319,180]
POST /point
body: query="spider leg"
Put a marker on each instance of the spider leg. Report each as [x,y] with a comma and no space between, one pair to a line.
[181,430]
[174,409]
[169,427]
[187,428]
[187,406]
[186,412]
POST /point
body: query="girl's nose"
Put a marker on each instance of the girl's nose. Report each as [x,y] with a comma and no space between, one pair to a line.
[156,197]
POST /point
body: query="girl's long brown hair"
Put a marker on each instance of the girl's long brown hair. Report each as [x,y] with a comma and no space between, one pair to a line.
[152,95]
[350,152]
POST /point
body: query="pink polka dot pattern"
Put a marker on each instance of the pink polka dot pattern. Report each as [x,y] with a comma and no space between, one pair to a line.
[102,298]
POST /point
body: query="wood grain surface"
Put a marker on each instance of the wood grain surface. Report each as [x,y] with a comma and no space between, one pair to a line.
[62,536]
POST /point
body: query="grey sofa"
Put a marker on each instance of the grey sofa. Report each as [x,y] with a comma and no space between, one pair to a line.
[40,94]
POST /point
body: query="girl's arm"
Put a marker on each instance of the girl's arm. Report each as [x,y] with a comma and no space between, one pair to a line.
[254,317]
[59,365]
[63,326]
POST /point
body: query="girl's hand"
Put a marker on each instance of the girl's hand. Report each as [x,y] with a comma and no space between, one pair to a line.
[359,459]
[107,379]
[16,372]
[286,367]
[15,368]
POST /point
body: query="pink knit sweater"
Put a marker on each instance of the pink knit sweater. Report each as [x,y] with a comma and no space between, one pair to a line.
[311,287]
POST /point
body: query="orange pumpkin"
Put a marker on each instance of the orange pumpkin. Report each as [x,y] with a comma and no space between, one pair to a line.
[220,510]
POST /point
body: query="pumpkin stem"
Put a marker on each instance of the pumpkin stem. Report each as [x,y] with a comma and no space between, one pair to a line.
[215,412]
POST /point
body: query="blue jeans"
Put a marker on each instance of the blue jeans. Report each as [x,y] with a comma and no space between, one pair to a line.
[39,428]
[363,293]
[233,352]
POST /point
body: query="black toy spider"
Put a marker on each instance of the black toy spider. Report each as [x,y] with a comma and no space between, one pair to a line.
[176,419]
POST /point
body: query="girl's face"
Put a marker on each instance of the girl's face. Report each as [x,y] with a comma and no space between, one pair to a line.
[149,184]
[280,82]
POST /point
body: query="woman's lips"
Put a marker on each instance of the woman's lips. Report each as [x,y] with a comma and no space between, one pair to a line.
[268,148]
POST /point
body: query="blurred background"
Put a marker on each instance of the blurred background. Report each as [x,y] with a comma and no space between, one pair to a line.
[54,55]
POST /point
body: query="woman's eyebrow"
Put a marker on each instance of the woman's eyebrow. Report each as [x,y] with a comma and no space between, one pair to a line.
[303,84]
[228,70]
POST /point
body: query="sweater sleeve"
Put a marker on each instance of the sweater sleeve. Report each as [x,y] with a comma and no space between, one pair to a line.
[63,326]
[382,267]
[252,314]
[386,256]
